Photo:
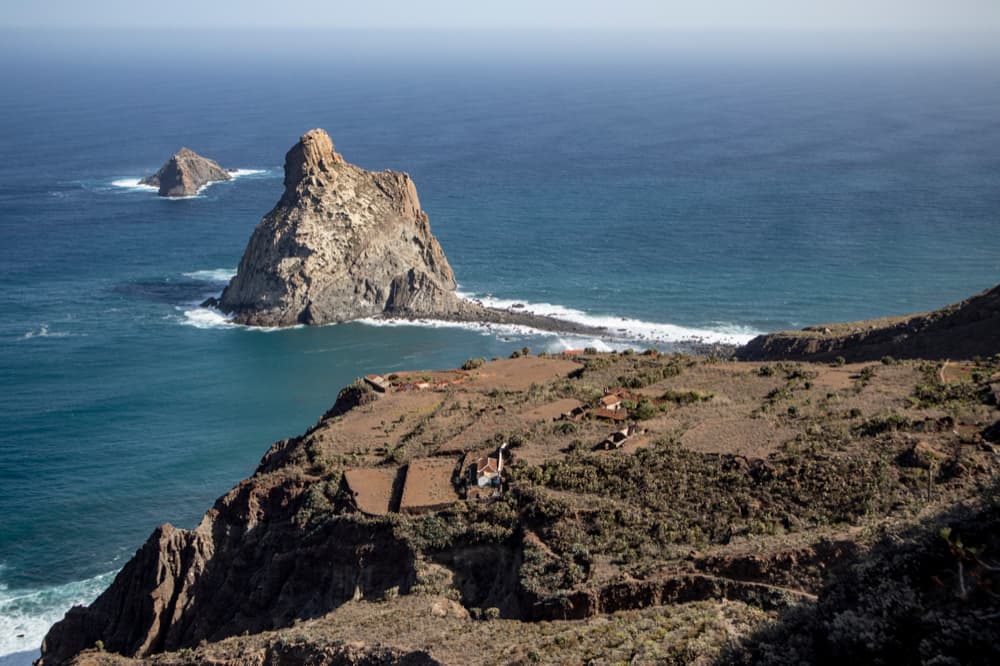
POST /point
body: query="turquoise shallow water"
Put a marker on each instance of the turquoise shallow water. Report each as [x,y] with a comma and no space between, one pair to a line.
[719,196]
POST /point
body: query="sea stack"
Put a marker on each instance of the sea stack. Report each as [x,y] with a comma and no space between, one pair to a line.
[185,173]
[343,243]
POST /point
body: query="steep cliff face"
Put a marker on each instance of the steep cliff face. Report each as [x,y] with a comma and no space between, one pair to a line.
[254,563]
[962,330]
[185,173]
[342,243]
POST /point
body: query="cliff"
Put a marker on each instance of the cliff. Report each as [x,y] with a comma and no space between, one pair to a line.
[960,331]
[185,173]
[743,486]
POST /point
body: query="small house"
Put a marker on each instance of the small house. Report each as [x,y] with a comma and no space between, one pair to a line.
[488,470]
[377,382]
[617,439]
[611,402]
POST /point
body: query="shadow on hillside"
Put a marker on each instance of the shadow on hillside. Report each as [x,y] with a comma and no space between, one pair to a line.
[925,594]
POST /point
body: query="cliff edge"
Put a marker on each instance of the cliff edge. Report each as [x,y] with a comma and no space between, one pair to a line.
[185,173]
[958,331]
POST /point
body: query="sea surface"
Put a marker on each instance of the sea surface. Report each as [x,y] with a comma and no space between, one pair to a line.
[706,195]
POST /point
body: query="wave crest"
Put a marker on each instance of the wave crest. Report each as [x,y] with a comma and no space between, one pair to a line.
[625,328]
[27,614]
[213,274]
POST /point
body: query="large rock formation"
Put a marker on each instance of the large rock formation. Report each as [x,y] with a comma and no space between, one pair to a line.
[185,173]
[342,243]
[962,330]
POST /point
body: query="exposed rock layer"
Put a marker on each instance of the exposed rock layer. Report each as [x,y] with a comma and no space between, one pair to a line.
[247,567]
[185,173]
[962,330]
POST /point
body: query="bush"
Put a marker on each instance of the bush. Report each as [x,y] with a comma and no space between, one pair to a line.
[645,410]
[473,363]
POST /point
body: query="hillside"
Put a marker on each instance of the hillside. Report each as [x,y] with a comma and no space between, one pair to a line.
[959,331]
[610,506]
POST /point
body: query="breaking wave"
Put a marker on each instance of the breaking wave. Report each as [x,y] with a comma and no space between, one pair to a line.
[27,614]
[134,185]
[625,328]
[213,275]
[620,330]
[43,332]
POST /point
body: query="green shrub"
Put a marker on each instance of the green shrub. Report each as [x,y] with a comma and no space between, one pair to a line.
[644,410]
[473,363]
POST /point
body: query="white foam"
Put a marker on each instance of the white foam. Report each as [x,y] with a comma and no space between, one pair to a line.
[27,614]
[213,274]
[133,184]
[44,332]
[484,328]
[565,344]
[625,328]
[620,330]
[205,318]
[209,318]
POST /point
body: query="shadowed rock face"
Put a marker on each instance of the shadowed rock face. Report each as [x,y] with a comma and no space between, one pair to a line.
[962,330]
[342,243]
[247,567]
[185,173]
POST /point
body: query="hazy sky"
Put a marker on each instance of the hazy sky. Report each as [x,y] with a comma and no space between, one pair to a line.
[679,15]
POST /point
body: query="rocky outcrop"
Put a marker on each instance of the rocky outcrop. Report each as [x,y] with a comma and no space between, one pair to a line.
[962,330]
[259,560]
[342,243]
[185,174]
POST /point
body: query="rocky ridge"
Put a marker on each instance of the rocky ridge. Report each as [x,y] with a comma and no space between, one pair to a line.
[962,330]
[185,173]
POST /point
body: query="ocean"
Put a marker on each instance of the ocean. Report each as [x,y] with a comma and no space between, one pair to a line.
[666,195]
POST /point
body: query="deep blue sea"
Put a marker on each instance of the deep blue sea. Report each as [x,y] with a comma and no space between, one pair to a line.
[666,194]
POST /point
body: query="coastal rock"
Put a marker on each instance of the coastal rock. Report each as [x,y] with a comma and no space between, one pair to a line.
[185,173]
[963,330]
[342,243]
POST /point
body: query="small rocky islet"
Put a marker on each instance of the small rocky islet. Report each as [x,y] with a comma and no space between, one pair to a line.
[185,173]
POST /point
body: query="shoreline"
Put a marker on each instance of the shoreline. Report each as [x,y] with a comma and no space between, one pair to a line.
[474,313]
